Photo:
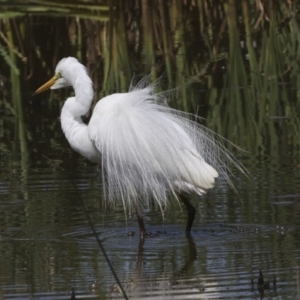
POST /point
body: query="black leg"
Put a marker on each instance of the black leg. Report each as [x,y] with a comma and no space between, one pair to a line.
[141,223]
[191,211]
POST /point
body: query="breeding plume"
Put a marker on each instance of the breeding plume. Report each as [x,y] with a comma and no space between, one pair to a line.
[147,150]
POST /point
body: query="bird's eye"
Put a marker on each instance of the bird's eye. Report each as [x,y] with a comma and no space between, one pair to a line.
[58,75]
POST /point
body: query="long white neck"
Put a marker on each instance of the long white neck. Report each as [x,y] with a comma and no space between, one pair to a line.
[73,127]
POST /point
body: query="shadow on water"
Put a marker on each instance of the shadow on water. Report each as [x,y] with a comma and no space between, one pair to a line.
[202,269]
[237,65]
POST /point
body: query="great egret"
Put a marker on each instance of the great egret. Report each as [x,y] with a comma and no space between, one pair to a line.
[147,150]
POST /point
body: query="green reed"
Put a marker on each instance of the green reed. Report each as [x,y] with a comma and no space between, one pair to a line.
[238,51]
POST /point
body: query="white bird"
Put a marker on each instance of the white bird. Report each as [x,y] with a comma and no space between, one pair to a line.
[146,149]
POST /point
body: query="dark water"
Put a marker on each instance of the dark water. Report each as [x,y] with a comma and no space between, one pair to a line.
[47,246]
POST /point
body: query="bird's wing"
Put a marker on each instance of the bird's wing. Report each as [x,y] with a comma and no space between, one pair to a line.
[146,150]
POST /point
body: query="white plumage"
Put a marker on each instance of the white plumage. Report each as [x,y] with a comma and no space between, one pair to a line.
[146,149]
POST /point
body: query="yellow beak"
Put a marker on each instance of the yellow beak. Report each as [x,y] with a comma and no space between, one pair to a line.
[46,86]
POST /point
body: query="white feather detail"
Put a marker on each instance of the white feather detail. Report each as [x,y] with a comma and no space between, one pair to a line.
[148,149]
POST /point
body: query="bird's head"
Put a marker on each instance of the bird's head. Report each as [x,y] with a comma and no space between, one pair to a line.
[64,73]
